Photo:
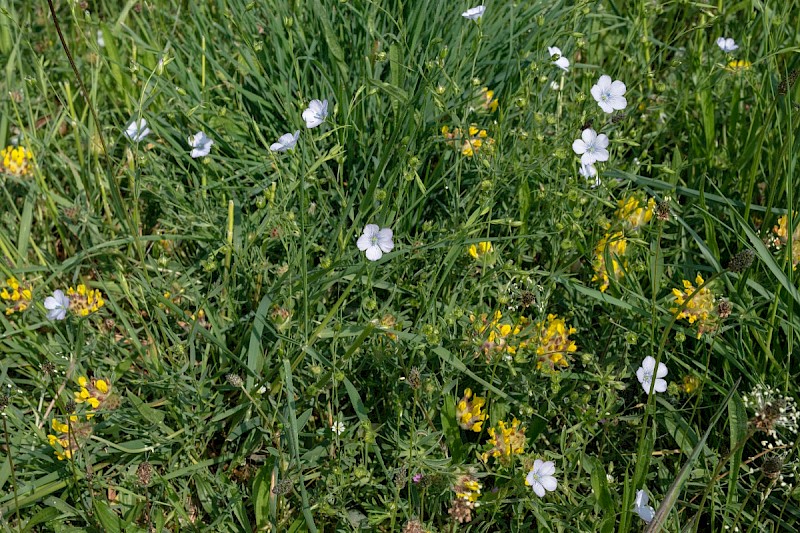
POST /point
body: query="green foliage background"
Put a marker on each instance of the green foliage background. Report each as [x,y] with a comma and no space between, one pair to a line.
[244,263]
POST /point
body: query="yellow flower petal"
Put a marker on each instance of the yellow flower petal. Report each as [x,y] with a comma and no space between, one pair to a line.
[102,386]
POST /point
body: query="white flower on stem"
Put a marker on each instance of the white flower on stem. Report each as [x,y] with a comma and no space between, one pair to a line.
[285,142]
[587,171]
[727,45]
[541,478]
[591,147]
[137,130]
[338,427]
[100,41]
[375,241]
[315,113]
[201,144]
[57,305]
[609,95]
[474,13]
[645,512]
[560,61]
[647,372]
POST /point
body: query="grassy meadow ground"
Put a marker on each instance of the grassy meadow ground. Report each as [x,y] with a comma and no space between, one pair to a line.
[202,344]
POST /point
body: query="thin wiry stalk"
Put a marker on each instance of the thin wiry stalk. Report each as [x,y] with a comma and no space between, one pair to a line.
[13,473]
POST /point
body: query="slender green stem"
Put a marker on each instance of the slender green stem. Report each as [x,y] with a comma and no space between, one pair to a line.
[123,449]
[13,473]
[228,252]
[755,520]
[717,469]
[303,250]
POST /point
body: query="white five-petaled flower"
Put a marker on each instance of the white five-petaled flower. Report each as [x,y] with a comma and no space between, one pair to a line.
[609,95]
[561,61]
[338,427]
[641,508]
[591,147]
[647,373]
[285,142]
[201,144]
[375,241]
[101,42]
[137,130]
[57,305]
[474,13]
[727,45]
[315,113]
[541,478]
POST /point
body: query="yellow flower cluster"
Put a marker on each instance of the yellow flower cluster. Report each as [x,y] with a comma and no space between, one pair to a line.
[93,391]
[781,231]
[690,383]
[468,489]
[469,412]
[17,295]
[65,441]
[388,322]
[553,343]
[16,161]
[614,246]
[489,101]
[702,308]
[741,64]
[479,250]
[63,450]
[83,301]
[502,337]
[476,140]
[632,215]
[505,441]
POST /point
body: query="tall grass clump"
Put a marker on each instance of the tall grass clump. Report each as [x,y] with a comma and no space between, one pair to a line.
[399,266]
